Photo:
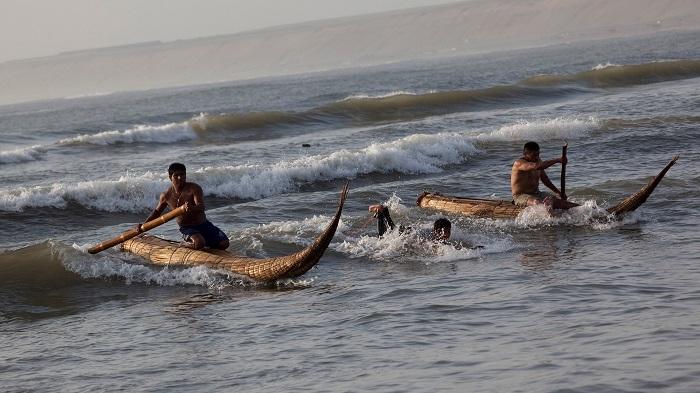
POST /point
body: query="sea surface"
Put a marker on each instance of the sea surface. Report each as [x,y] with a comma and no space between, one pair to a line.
[578,302]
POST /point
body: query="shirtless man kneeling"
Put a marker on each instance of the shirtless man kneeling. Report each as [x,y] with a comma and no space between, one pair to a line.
[196,230]
[525,178]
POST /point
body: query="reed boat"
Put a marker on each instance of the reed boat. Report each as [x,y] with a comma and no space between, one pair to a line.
[168,253]
[495,208]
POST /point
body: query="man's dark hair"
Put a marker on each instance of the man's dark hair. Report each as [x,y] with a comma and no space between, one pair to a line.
[531,146]
[176,166]
[442,223]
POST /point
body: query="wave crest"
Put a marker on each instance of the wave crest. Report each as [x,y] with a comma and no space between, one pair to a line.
[612,75]
[167,133]
[238,121]
[557,128]
[23,154]
[414,154]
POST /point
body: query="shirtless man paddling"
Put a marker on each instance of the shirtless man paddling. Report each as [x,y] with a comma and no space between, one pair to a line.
[196,230]
[525,178]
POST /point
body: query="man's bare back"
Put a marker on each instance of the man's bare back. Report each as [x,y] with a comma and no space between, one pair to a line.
[524,181]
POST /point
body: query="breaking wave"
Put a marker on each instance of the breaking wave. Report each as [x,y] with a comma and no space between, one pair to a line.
[24,154]
[358,240]
[131,269]
[604,66]
[385,95]
[238,121]
[168,133]
[557,128]
[589,214]
[128,193]
[414,154]
[51,265]
[612,75]
[396,105]
[409,106]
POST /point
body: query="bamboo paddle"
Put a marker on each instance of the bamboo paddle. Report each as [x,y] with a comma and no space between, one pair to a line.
[133,232]
[563,172]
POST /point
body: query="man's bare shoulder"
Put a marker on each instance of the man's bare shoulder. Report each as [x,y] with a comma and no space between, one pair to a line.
[193,187]
[167,193]
[517,163]
[525,165]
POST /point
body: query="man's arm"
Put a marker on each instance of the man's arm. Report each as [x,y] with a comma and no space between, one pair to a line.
[522,165]
[383,218]
[198,198]
[545,180]
[162,204]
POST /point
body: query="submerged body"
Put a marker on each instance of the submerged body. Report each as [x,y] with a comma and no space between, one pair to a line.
[442,228]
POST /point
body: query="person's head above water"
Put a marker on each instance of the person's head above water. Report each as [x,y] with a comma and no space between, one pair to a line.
[531,151]
[176,167]
[531,146]
[177,174]
[442,229]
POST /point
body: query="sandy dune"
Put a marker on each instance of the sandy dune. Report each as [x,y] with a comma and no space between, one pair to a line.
[459,28]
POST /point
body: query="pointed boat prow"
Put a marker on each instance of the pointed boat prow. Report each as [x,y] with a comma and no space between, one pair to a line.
[635,200]
[164,252]
[495,208]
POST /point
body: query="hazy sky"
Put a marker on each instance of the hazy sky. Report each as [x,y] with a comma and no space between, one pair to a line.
[33,28]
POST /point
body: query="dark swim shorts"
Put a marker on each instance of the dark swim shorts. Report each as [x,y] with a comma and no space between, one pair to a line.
[212,235]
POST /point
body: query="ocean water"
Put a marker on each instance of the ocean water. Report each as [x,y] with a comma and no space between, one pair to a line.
[546,304]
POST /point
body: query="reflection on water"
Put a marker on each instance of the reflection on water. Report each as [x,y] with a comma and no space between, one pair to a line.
[192,302]
[547,248]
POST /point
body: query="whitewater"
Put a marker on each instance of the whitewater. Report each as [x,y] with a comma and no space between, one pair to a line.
[576,302]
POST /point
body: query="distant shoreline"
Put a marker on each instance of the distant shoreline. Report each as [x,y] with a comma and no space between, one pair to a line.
[445,30]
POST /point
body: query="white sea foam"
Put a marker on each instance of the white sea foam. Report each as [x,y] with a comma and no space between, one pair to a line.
[298,232]
[557,128]
[362,96]
[23,154]
[418,153]
[128,193]
[415,245]
[589,214]
[132,270]
[166,133]
[604,66]
[361,241]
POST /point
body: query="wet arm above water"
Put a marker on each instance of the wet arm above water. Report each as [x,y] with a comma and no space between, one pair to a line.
[198,198]
[383,218]
[548,183]
[162,204]
[523,165]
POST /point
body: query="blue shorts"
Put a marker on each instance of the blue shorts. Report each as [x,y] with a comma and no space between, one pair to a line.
[212,235]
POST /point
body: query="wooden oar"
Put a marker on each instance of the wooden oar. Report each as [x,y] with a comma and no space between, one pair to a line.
[563,172]
[133,232]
